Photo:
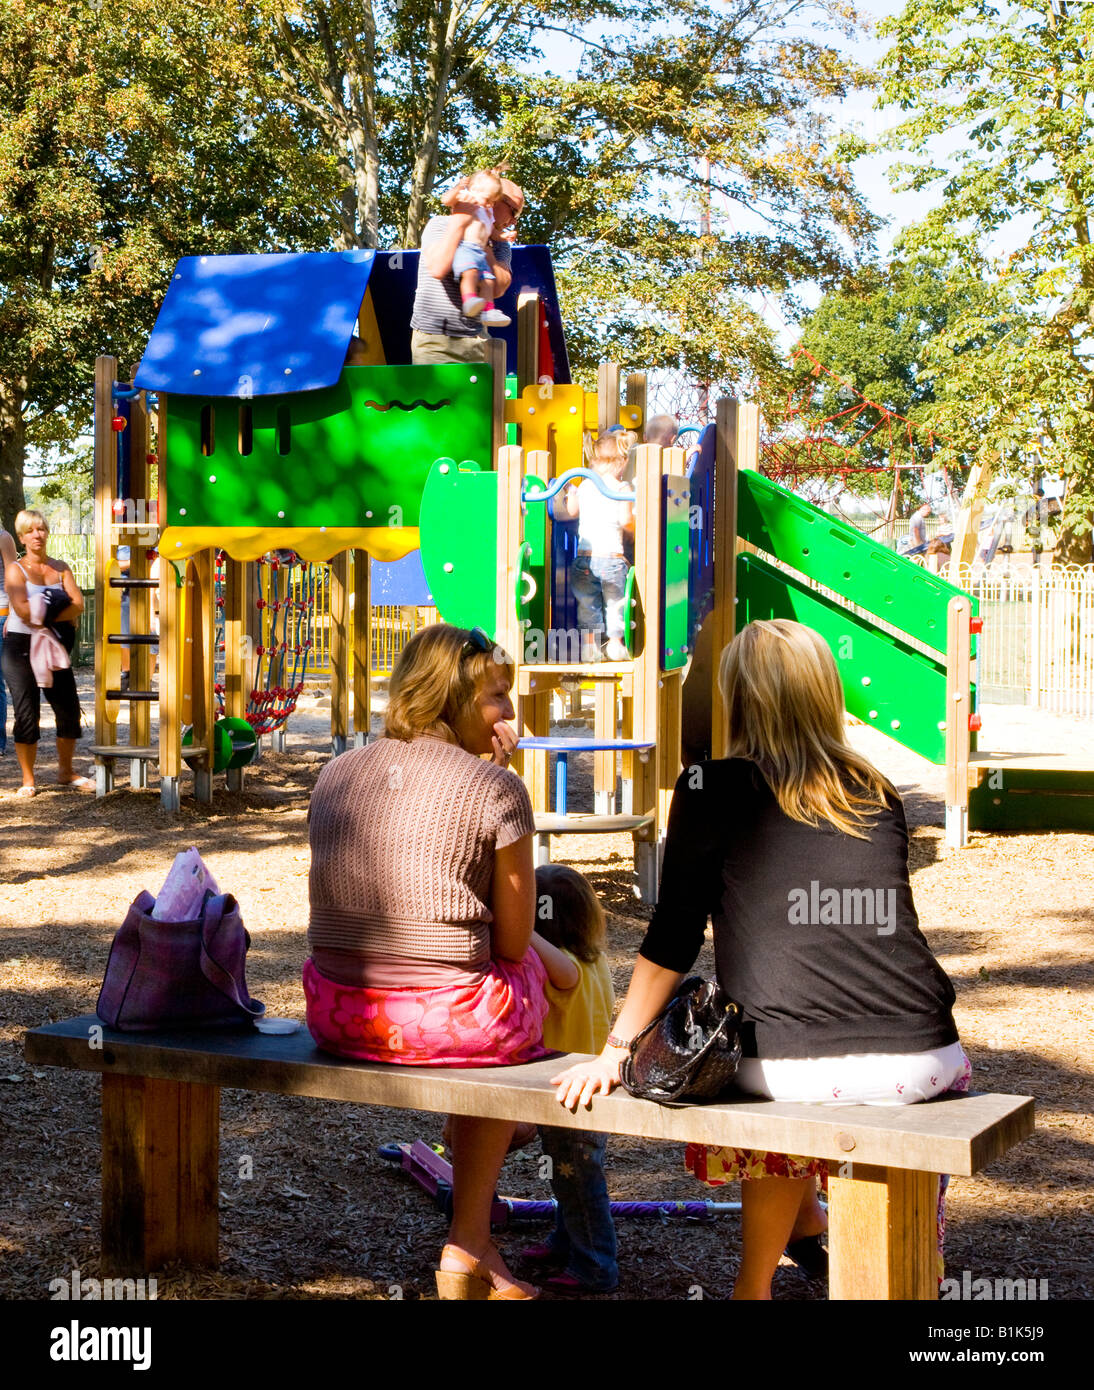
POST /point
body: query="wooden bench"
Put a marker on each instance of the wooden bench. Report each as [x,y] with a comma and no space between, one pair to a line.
[161,1133]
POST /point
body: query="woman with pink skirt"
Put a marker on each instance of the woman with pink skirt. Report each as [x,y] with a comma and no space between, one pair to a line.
[422,903]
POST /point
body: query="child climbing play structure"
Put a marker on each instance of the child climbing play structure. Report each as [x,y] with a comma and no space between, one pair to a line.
[290,430]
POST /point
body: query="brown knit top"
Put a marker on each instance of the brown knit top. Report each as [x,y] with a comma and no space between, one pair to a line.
[402,843]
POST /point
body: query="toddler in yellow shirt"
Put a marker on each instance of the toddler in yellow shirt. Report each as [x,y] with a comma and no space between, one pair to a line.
[570,938]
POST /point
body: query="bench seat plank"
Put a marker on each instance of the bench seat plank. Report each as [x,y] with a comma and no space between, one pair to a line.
[959,1134]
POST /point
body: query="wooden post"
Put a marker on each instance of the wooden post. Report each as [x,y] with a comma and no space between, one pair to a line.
[607,396]
[604,762]
[535,707]
[748,436]
[161,1142]
[495,357]
[362,648]
[510,464]
[724,617]
[958,674]
[236,652]
[170,664]
[647,664]
[198,659]
[636,395]
[966,526]
[527,340]
[105,482]
[339,652]
[140,533]
[882,1234]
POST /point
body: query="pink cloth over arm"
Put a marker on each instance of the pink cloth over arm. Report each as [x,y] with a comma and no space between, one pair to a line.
[47,654]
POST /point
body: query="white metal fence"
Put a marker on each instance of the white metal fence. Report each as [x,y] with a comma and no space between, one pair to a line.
[1037,647]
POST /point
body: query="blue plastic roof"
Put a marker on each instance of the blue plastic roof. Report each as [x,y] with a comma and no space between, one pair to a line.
[256,325]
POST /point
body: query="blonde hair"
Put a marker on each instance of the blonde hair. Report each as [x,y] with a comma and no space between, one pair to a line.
[435,682]
[784,710]
[490,177]
[576,921]
[608,447]
[26,519]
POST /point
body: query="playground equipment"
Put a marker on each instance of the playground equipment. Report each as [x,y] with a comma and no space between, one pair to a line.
[267,441]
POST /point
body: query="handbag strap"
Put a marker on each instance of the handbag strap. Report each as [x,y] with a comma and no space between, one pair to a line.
[219,976]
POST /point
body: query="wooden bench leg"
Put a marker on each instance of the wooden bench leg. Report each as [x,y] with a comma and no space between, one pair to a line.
[161,1148]
[882,1234]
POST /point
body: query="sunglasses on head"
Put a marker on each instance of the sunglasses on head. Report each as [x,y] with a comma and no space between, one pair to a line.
[477,641]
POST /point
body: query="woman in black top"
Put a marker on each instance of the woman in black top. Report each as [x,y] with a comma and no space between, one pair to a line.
[797,848]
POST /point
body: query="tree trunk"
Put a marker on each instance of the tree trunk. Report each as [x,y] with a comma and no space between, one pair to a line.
[12,449]
[1074,547]
[439,70]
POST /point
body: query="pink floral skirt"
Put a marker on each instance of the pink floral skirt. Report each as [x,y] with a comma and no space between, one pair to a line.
[495,1022]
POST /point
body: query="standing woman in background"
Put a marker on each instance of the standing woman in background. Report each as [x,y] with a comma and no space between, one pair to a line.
[39,573]
[7,557]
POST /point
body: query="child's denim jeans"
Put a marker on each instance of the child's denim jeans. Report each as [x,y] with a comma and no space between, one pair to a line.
[598,584]
[584,1231]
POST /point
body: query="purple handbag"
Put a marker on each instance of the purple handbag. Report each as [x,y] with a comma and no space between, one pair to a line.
[178,974]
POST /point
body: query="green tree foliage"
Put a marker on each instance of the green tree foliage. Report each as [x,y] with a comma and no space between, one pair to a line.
[129,136]
[1013,87]
[682,171]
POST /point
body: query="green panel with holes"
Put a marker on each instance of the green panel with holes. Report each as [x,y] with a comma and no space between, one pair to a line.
[834,554]
[675,540]
[354,454]
[459,536]
[886,683]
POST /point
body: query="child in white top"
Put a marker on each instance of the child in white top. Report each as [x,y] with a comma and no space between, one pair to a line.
[598,575]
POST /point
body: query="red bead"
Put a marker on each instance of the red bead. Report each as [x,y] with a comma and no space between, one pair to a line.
[976,625]
[118,423]
[975,723]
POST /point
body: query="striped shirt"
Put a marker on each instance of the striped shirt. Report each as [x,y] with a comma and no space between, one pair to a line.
[438,306]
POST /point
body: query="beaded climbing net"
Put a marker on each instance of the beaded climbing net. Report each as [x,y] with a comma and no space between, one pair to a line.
[286,606]
[822,456]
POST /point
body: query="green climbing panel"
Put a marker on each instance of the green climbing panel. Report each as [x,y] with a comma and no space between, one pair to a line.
[1032,799]
[834,554]
[354,454]
[675,540]
[535,573]
[886,683]
[459,536]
